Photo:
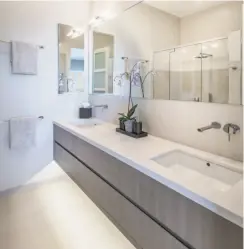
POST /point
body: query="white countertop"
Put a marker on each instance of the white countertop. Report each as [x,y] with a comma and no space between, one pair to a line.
[226,202]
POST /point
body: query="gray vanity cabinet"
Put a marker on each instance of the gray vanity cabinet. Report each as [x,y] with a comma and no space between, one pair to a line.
[193,225]
[138,227]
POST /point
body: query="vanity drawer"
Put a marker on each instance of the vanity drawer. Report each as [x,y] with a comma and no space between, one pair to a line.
[198,226]
[142,231]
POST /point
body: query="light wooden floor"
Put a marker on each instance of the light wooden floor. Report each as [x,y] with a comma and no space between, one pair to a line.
[51,212]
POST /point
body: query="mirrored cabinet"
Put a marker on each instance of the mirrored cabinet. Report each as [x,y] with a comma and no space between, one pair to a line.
[204,72]
[71,44]
[182,59]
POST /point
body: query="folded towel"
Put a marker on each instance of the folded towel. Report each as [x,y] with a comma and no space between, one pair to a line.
[22,132]
[24,58]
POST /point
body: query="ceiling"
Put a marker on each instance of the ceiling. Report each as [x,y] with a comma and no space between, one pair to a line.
[101,8]
[183,8]
[78,42]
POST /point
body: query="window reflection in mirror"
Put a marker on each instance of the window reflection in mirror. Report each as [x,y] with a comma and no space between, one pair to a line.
[103,59]
[71,59]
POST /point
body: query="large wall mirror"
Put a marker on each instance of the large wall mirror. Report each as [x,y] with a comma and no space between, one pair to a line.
[71,59]
[175,50]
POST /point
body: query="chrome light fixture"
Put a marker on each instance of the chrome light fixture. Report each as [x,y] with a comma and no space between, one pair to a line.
[74,33]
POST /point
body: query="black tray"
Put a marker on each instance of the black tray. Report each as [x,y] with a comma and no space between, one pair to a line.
[143,134]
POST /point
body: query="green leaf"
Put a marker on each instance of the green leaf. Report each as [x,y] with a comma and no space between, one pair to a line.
[122,115]
[122,119]
[131,111]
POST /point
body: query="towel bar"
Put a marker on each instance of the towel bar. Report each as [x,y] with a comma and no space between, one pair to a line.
[40,46]
[40,117]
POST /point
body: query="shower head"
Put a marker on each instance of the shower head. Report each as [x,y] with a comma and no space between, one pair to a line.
[203,56]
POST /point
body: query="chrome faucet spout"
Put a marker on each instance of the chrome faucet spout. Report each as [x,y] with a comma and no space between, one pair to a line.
[214,125]
[204,128]
[102,106]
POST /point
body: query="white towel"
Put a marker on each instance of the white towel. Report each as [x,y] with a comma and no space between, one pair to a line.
[24,58]
[22,132]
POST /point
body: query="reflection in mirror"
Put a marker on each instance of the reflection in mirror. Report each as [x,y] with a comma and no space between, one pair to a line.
[216,84]
[131,52]
[103,56]
[198,72]
[191,48]
[185,73]
[205,64]
[71,59]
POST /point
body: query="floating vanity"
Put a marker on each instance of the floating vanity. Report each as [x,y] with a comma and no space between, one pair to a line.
[160,194]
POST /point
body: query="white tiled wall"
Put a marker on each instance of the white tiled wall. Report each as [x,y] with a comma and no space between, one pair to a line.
[178,121]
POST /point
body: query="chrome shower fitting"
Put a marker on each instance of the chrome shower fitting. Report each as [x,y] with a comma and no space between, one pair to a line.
[203,56]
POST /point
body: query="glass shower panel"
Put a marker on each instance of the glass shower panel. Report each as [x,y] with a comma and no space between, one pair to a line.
[185,73]
[161,76]
[215,71]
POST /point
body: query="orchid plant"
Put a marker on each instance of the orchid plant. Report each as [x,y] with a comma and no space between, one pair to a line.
[135,78]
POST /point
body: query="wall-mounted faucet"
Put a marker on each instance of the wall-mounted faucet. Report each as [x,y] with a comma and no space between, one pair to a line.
[102,106]
[214,125]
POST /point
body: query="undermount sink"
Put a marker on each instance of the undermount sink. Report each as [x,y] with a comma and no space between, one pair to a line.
[86,122]
[178,160]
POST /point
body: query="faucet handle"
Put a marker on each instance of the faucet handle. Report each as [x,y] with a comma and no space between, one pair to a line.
[231,129]
[215,125]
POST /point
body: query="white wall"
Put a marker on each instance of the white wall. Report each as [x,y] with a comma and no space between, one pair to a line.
[178,121]
[214,22]
[34,22]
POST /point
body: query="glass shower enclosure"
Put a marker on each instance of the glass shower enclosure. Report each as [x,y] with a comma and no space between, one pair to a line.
[202,72]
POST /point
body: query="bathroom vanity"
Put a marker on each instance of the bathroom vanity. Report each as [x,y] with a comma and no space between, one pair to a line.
[155,199]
